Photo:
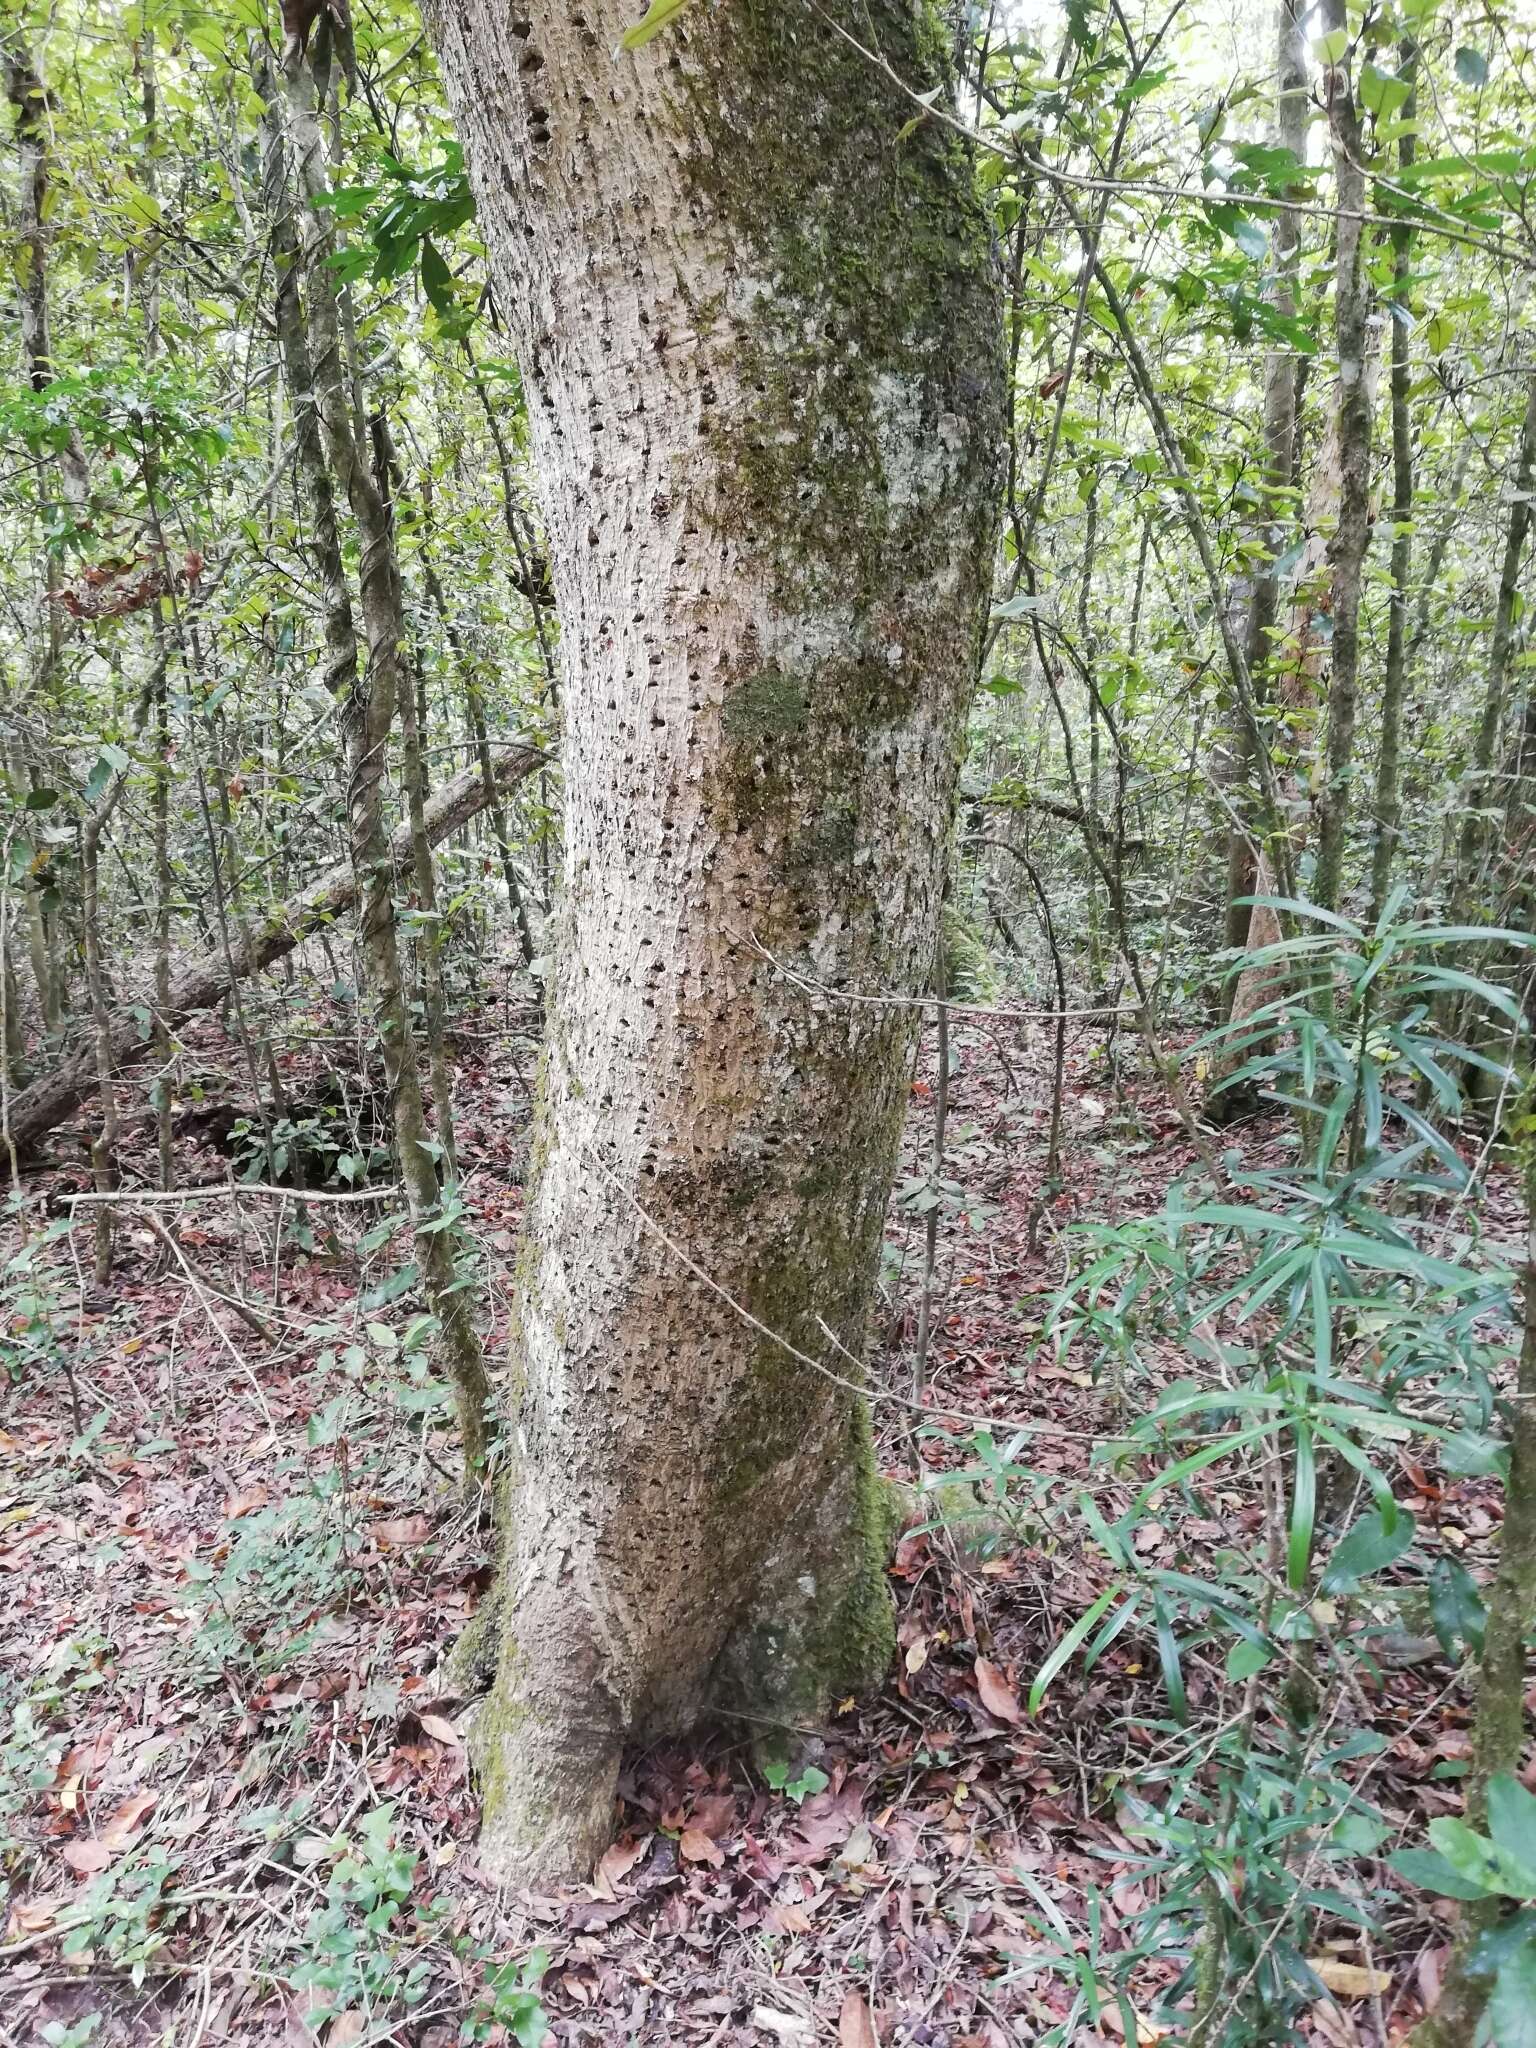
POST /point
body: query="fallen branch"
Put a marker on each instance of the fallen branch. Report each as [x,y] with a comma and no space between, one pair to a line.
[203,983]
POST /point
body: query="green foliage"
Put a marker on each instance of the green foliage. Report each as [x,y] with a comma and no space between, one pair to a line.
[509,1999]
[800,1787]
[1498,1867]
[286,1566]
[356,1947]
[312,1151]
[1330,1324]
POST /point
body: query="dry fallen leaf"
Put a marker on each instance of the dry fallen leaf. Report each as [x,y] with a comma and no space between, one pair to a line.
[855,2028]
[997,1695]
[443,1731]
[618,1860]
[1110,2017]
[87,1857]
[31,1916]
[244,1502]
[788,1920]
[125,1823]
[396,1535]
[1348,1980]
[696,1847]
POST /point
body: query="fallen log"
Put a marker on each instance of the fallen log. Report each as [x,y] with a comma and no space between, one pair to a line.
[200,984]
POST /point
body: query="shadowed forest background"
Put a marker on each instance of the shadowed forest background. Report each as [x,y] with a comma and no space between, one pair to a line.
[768,782]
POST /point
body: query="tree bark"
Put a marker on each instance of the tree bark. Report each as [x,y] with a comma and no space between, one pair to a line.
[1387,805]
[1498,1726]
[1478,797]
[1319,657]
[1280,396]
[203,983]
[759,328]
[1355,403]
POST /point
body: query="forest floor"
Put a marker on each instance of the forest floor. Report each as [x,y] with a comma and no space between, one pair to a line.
[233,1783]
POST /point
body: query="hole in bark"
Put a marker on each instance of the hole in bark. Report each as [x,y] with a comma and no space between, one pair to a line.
[531,60]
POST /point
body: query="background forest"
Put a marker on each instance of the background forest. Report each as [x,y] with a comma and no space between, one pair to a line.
[1197,1350]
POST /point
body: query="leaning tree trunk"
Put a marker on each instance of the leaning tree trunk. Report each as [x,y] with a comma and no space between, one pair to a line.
[760,336]
[204,982]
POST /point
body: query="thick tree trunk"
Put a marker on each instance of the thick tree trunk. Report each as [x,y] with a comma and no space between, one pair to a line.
[760,337]
[203,983]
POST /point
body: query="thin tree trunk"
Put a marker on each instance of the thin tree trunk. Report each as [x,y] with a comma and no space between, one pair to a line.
[1498,1726]
[1387,804]
[1477,796]
[367,713]
[1281,394]
[474,704]
[163,1094]
[104,1143]
[1352,530]
[429,941]
[761,731]
[1327,590]
[29,100]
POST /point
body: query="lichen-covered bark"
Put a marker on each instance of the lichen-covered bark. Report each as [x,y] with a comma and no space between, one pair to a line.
[760,341]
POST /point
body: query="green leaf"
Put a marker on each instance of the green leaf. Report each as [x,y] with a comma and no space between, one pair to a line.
[1480,1861]
[1168,1657]
[1355,1834]
[1369,1548]
[1512,1817]
[436,278]
[1456,1609]
[530,2027]
[657,15]
[1512,2001]
[1330,48]
[1472,1454]
[1431,1873]
[1381,94]
[1076,1634]
[1303,1511]
[1471,66]
[1245,1659]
